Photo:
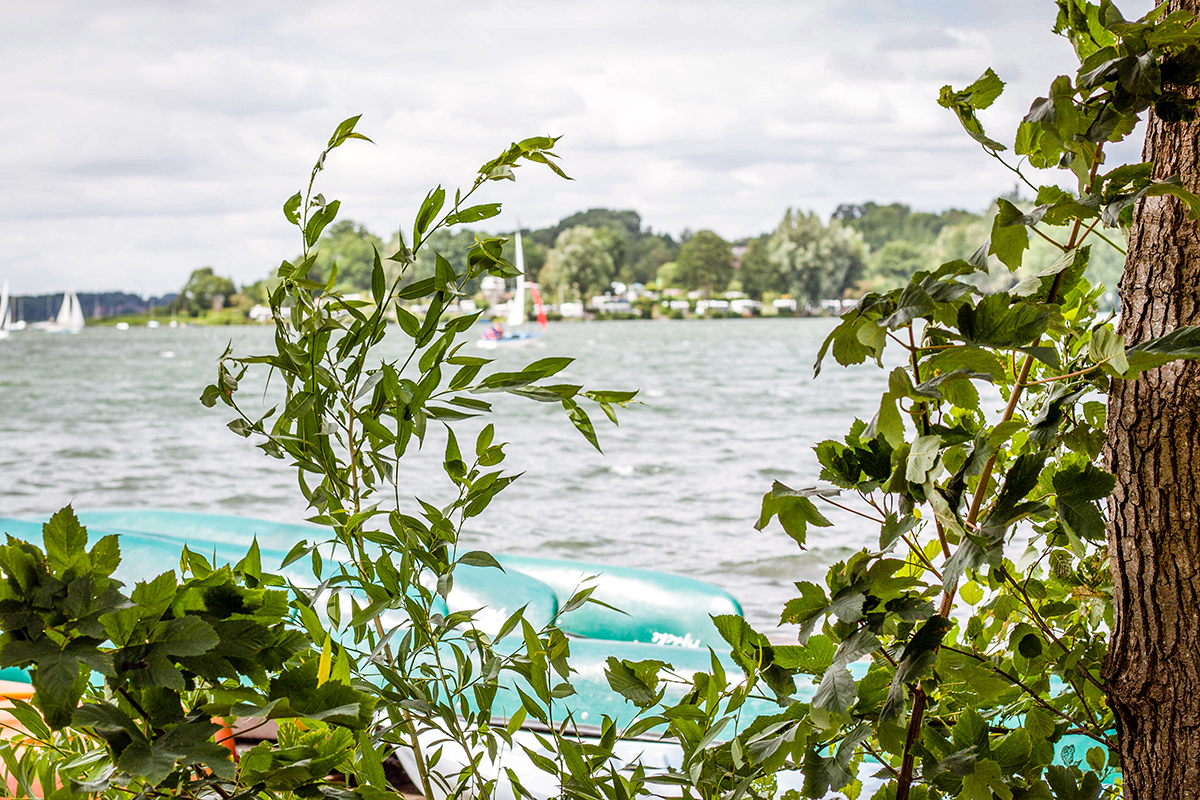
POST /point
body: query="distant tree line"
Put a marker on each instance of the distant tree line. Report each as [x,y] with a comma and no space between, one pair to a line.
[96,305]
[861,247]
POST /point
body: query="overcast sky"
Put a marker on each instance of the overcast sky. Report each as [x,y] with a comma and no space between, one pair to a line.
[145,139]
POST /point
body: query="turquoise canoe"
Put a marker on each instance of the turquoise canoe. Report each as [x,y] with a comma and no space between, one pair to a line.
[661,616]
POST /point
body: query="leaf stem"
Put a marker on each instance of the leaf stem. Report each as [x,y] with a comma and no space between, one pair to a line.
[1061,247]
[851,510]
[1075,374]
[1010,167]
[1111,243]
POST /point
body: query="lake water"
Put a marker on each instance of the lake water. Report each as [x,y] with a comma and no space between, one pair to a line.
[109,419]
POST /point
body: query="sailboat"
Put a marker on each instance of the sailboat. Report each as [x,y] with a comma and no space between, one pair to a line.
[497,336]
[5,312]
[70,316]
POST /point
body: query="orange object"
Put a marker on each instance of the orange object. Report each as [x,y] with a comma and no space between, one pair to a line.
[225,738]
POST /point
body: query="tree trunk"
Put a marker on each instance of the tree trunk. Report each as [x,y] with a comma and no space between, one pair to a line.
[1153,665]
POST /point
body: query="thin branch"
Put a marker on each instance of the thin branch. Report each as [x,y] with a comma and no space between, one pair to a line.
[1062,247]
[879,757]
[851,510]
[1010,167]
[137,706]
[921,555]
[1076,373]
[1088,231]
[1110,243]
[905,776]
[887,658]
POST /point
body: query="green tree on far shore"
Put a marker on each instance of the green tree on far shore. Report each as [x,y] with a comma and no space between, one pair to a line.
[705,263]
[204,291]
[897,261]
[579,262]
[757,272]
[817,261]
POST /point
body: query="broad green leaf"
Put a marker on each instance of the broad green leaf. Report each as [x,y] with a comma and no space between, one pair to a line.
[185,636]
[1063,397]
[1067,271]
[806,609]
[922,457]
[1169,186]
[316,225]
[292,207]
[985,783]
[428,211]
[1000,322]
[581,421]
[794,510]
[1107,349]
[1077,488]
[893,528]
[480,558]
[847,347]
[811,658]
[156,596]
[984,91]
[971,593]
[187,743]
[847,605]
[1181,343]
[65,541]
[837,690]
[1009,239]
[636,681]
[978,95]
[474,214]
[106,555]
[971,730]
[972,359]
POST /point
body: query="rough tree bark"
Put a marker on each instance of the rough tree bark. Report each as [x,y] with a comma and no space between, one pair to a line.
[1153,665]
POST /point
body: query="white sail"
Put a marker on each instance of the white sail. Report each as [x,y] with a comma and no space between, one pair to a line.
[516,307]
[64,311]
[76,322]
[70,316]
[5,313]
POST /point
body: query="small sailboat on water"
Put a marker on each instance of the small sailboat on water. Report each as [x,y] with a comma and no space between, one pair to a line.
[497,336]
[70,316]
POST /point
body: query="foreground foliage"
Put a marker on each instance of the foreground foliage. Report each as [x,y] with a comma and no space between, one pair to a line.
[961,655]
[362,652]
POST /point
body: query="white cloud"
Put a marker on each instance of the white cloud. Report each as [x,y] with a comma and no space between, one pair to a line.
[146,139]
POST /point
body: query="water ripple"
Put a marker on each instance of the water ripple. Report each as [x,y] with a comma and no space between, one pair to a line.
[103,419]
